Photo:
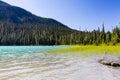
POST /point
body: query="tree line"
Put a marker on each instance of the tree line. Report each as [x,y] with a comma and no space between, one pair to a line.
[55,34]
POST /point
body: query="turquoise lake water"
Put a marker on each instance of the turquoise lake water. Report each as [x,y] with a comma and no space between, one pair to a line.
[19,51]
[36,63]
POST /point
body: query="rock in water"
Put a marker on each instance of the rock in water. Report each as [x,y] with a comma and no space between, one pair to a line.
[110,61]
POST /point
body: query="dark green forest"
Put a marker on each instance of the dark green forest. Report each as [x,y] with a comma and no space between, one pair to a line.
[55,34]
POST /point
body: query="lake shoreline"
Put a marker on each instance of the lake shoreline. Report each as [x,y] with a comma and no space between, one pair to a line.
[90,49]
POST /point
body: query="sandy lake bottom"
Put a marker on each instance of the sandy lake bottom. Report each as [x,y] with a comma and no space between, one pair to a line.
[57,66]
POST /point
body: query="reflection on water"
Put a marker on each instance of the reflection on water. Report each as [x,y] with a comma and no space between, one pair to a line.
[43,66]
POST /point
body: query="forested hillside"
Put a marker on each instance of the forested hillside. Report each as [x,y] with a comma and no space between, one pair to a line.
[45,34]
[20,27]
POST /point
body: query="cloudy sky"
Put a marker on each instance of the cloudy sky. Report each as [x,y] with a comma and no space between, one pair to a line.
[77,14]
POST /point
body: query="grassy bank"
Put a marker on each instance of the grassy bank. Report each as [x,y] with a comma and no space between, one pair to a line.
[90,49]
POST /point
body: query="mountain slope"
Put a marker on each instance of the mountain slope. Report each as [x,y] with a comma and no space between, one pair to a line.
[15,14]
[20,27]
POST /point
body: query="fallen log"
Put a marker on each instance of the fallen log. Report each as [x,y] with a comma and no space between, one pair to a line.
[109,63]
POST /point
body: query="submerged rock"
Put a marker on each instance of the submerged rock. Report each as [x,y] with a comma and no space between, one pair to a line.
[110,61]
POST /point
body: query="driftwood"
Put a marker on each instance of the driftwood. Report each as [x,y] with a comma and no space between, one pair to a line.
[109,63]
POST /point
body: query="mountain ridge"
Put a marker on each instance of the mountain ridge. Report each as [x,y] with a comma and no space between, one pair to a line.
[15,14]
[3,3]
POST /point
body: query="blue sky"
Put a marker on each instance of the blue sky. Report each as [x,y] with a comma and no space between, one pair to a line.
[83,14]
